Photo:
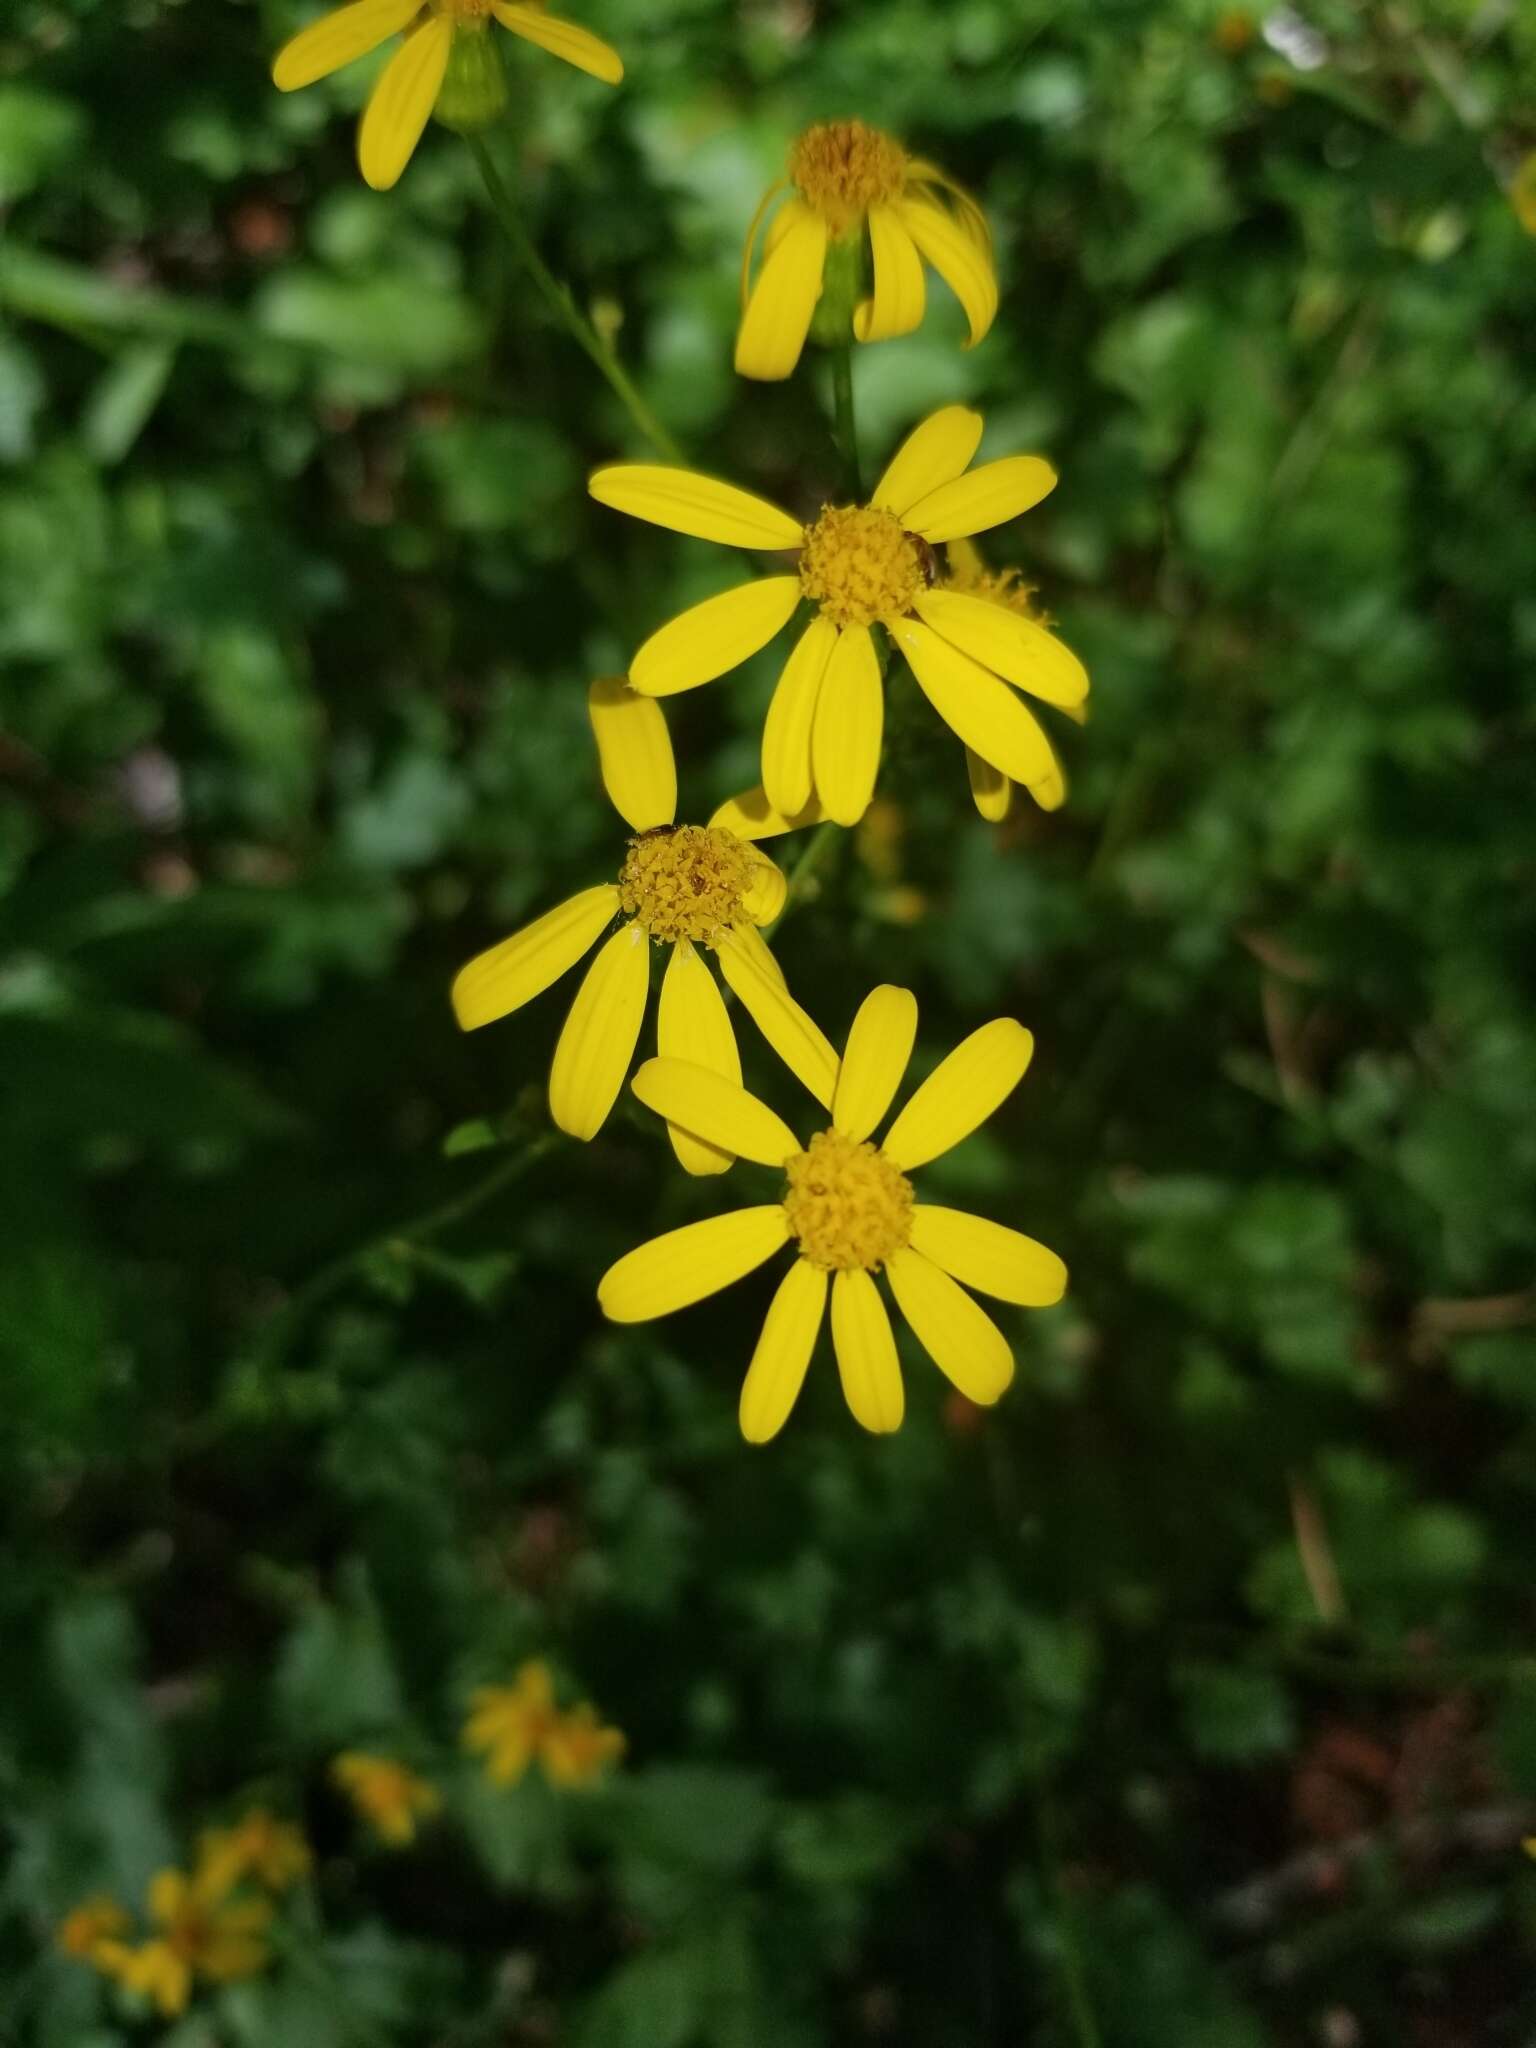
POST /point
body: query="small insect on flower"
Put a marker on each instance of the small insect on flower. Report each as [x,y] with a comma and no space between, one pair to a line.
[389,1796]
[691,888]
[512,1726]
[850,1208]
[447,64]
[864,566]
[858,204]
[203,1934]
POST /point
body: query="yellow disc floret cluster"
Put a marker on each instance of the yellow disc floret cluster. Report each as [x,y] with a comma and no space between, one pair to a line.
[686,881]
[846,1203]
[860,564]
[843,168]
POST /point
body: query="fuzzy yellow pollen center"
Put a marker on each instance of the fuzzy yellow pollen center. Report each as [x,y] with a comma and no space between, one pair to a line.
[843,168]
[686,881]
[846,1203]
[860,564]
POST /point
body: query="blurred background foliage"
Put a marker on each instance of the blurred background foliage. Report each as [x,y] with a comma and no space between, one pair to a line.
[1189,1698]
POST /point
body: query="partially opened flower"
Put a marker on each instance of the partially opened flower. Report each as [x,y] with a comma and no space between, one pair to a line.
[446,64]
[849,1208]
[203,1934]
[692,888]
[863,566]
[858,204]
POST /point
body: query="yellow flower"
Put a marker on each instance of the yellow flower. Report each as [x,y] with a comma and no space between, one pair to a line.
[850,1207]
[511,1725]
[96,1923]
[863,565]
[685,886]
[1522,194]
[446,62]
[855,189]
[391,1798]
[203,1934]
[259,1845]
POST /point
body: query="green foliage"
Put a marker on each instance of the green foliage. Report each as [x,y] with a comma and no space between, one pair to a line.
[1032,1726]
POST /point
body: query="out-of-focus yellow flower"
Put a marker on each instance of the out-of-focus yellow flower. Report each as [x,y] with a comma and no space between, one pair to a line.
[447,62]
[203,1934]
[1522,194]
[857,200]
[691,888]
[862,566]
[513,1725]
[389,1796]
[96,1921]
[259,1845]
[850,1208]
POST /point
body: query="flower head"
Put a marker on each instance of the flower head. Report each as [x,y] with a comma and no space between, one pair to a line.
[260,1846]
[1522,193]
[512,1725]
[97,1922]
[849,1207]
[447,63]
[388,1795]
[857,202]
[972,646]
[202,1933]
[694,889]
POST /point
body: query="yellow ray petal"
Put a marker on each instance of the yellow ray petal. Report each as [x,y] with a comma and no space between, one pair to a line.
[634,752]
[778,311]
[713,637]
[505,977]
[991,792]
[564,39]
[686,502]
[874,1059]
[401,104]
[971,218]
[964,263]
[600,1034]
[989,1256]
[756,947]
[791,715]
[763,897]
[777,1372]
[797,1039]
[960,1093]
[897,304]
[933,454]
[751,816]
[692,1023]
[956,1332]
[976,705]
[1018,649]
[850,717]
[685,1265]
[866,1353]
[337,38]
[984,498]
[1050,789]
[753,230]
[719,1111]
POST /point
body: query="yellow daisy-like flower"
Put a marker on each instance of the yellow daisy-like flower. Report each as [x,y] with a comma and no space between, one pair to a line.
[850,1208]
[203,1934]
[388,1795]
[259,1845]
[447,62]
[685,886]
[862,566]
[857,198]
[96,1923]
[511,1725]
[1522,193]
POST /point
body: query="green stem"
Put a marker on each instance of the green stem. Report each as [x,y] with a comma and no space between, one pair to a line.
[847,426]
[562,304]
[1074,1976]
[802,879]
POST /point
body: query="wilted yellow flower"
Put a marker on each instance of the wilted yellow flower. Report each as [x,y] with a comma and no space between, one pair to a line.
[1522,194]
[390,1797]
[850,1208]
[447,62]
[95,1921]
[688,887]
[858,200]
[861,566]
[512,1725]
[259,1845]
[203,1934]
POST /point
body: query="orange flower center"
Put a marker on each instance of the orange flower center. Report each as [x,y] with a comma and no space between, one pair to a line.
[685,881]
[860,564]
[843,168]
[846,1203]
